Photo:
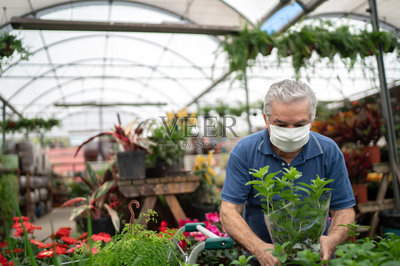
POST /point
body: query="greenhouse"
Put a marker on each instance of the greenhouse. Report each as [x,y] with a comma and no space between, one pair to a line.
[199,132]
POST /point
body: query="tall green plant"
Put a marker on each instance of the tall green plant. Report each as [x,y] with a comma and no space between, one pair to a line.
[295,211]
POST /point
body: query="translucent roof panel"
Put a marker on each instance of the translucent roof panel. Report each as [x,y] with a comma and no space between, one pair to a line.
[72,68]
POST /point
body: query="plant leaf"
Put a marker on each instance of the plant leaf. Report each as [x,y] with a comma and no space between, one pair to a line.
[73,201]
[77,211]
[114,217]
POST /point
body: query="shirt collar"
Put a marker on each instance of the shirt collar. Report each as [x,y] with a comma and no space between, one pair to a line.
[311,149]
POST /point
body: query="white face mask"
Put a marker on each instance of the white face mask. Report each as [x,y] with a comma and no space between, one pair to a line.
[289,139]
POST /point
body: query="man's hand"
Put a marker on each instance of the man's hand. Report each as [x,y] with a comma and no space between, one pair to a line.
[265,258]
[328,247]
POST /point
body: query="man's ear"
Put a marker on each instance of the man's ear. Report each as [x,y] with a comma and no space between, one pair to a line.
[265,120]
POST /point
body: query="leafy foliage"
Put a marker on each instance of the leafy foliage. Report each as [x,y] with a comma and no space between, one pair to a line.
[34,124]
[323,38]
[139,246]
[9,45]
[129,137]
[296,212]
[95,203]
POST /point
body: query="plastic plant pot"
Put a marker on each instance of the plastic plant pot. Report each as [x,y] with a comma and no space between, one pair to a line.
[301,222]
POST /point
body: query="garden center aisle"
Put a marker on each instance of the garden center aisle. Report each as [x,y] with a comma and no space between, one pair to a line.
[59,217]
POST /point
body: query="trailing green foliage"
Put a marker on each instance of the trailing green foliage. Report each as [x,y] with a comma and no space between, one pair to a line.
[323,38]
[26,124]
[296,212]
[9,45]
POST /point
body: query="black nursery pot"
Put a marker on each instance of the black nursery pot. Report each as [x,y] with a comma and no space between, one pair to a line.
[390,221]
[131,165]
[99,225]
[162,168]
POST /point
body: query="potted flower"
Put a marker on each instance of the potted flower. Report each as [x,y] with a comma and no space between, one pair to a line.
[9,44]
[295,212]
[206,197]
[166,156]
[97,205]
[369,128]
[137,245]
[358,165]
[131,162]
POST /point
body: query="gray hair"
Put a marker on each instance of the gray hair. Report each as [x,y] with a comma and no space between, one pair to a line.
[288,91]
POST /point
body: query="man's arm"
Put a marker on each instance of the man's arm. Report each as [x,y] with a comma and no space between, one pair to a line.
[336,234]
[239,230]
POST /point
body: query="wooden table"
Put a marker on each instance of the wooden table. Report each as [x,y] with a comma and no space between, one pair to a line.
[150,188]
[380,203]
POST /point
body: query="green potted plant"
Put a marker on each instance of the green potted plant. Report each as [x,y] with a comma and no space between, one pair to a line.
[137,245]
[369,128]
[9,44]
[131,162]
[358,165]
[166,155]
[39,125]
[98,204]
[206,197]
[298,218]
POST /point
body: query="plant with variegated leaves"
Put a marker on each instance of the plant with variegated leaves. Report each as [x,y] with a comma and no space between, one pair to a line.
[96,203]
[129,136]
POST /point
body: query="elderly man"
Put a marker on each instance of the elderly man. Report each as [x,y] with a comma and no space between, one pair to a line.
[289,109]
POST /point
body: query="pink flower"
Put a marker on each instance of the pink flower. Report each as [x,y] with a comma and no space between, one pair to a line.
[101,237]
[214,230]
[94,250]
[212,217]
[71,250]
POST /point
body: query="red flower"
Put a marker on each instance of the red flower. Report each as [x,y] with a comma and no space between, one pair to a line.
[48,245]
[3,244]
[101,237]
[16,250]
[30,228]
[60,250]
[163,226]
[45,254]
[24,219]
[69,240]
[82,236]
[3,261]
[37,243]
[183,244]
[63,231]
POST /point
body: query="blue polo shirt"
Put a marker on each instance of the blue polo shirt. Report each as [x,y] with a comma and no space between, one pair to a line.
[319,156]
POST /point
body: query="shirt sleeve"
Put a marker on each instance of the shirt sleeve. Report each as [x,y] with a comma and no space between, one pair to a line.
[235,189]
[342,194]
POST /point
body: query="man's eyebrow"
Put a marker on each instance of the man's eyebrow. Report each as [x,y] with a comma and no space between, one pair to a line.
[277,121]
[302,121]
